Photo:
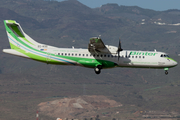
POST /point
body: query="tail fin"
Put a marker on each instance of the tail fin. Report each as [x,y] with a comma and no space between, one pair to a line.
[17,36]
[23,45]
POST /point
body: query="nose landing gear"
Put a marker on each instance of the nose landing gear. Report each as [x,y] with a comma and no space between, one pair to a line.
[166,70]
[97,69]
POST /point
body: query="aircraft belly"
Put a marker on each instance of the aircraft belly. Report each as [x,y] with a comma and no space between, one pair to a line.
[91,63]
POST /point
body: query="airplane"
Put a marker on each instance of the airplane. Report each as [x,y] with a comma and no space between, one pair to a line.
[98,56]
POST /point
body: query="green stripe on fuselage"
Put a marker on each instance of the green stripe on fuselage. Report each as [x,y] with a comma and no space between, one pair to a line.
[87,62]
[170,59]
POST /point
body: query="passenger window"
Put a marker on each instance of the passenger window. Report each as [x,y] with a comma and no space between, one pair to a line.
[58,53]
[65,54]
[69,54]
[104,55]
[72,54]
[161,55]
[111,55]
[61,53]
[94,55]
[79,54]
[101,55]
[108,55]
[143,57]
[136,56]
[139,56]
[75,54]
[87,55]
[83,54]
[132,56]
[97,55]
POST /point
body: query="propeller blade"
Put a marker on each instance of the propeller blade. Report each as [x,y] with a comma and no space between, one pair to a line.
[119,49]
[118,56]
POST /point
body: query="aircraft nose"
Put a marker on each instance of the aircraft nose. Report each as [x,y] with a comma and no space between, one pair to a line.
[175,63]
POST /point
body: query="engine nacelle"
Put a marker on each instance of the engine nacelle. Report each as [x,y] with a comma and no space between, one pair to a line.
[112,49]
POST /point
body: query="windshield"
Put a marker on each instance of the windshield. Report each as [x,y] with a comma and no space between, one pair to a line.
[164,55]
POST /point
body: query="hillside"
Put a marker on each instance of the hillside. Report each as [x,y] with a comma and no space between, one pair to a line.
[77,107]
[136,13]
[25,83]
[70,21]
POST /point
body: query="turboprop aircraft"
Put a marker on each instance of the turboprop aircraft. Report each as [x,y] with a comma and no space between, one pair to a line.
[97,56]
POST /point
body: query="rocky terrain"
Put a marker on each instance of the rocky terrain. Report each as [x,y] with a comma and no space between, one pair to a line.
[86,106]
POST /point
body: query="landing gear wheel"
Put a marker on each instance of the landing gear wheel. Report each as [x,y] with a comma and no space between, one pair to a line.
[97,69]
[166,72]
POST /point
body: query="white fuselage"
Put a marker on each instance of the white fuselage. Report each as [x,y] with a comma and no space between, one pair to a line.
[128,58]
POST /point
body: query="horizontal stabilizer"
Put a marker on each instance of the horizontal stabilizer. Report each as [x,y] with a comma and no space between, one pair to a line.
[14,52]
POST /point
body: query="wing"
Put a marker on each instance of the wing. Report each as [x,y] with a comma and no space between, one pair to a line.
[97,45]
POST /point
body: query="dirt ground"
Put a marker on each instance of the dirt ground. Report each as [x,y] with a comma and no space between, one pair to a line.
[76,107]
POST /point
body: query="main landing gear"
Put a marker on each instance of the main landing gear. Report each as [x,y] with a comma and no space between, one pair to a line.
[97,69]
[166,70]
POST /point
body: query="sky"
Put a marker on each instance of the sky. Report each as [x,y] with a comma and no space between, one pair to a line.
[158,5]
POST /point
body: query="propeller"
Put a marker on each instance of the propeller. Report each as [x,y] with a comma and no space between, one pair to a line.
[119,49]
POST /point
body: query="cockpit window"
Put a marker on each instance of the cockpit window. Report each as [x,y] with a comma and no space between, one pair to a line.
[164,55]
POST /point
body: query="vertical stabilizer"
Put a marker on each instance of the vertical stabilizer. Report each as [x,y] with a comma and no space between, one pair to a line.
[17,36]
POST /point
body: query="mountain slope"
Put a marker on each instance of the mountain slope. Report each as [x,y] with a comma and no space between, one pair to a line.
[7,14]
[26,83]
